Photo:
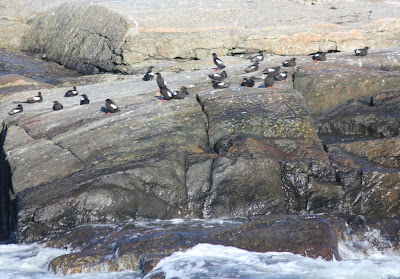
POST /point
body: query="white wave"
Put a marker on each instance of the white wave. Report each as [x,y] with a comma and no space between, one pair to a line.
[216,261]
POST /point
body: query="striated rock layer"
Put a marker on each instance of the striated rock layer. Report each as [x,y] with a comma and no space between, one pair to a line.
[116,35]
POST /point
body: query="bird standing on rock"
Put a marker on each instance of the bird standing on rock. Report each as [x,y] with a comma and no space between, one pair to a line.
[71,93]
[252,68]
[35,99]
[362,51]
[160,81]
[218,62]
[319,56]
[16,110]
[259,57]
[57,105]
[269,80]
[218,76]
[84,100]
[149,75]
[111,106]
[289,63]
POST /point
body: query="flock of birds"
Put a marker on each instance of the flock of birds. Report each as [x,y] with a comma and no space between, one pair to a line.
[217,80]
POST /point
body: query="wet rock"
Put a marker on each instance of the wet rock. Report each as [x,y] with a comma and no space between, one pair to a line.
[135,248]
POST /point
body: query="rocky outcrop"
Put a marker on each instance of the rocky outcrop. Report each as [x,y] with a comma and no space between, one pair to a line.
[126,34]
[140,248]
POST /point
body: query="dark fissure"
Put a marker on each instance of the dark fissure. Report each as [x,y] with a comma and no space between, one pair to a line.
[8,203]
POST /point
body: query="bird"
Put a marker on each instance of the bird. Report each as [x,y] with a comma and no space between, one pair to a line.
[16,110]
[35,99]
[319,56]
[258,58]
[289,63]
[111,106]
[269,80]
[160,81]
[57,105]
[361,51]
[181,94]
[248,82]
[218,76]
[219,84]
[149,75]
[371,102]
[281,76]
[218,62]
[273,70]
[84,99]
[71,93]
[167,93]
[252,68]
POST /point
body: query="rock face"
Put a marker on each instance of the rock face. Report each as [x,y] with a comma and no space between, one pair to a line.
[131,32]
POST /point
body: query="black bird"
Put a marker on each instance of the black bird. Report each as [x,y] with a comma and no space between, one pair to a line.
[248,82]
[167,93]
[273,70]
[84,100]
[71,93]
[372,102]
[218,62]
[362,51]
[319,56]
[181,94]
[149,75]
[111,106]
[35,99]
[219,84]
[259,57]
[160,81]
[269,80]
[252,68]
[57,105]
[281,76]
[289,63]
[218,76]
[16,110]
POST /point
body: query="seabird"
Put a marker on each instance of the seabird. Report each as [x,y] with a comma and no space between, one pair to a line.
[248,82]
[167,93]
[111,106]
[289,63]
[16,110]
[269,80]
[273,70]
[319,56]
[281,76]
[218,62]
[35,99]
[160,81]
[149,75]
[219,84]
[57,105]
[181,94]
[252,68]
[372,102]
[71,93]
[361,51]
[84,100]
[259,57]
[218,76]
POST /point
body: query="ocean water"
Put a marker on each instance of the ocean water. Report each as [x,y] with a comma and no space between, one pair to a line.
[361,259]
